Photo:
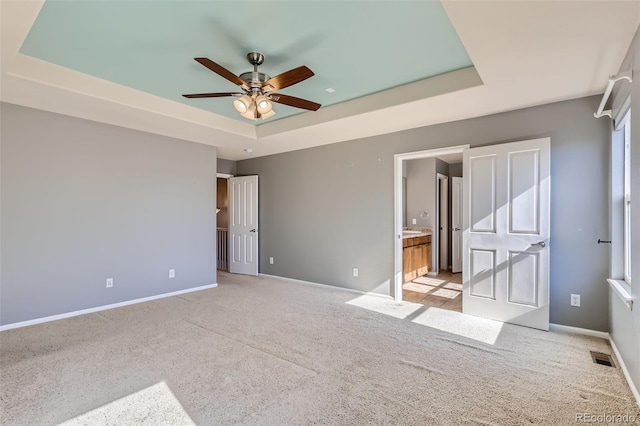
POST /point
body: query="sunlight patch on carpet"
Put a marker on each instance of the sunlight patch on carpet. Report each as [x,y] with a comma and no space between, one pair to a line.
[480,329]
[153,405]
[389,307]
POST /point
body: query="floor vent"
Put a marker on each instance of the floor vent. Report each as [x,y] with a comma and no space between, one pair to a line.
[602,359]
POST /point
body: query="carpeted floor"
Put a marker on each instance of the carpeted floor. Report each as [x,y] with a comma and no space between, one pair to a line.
[270,351]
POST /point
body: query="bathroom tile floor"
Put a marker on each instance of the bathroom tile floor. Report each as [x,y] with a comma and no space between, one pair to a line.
[441,291]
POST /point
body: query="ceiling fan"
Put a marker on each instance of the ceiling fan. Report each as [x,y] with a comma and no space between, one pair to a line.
[255,100]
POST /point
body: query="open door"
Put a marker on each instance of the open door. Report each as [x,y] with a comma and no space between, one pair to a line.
[506,232]
[456,224]
[243,225]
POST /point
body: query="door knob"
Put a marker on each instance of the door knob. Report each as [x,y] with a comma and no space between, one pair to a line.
[456,229]
[540,243]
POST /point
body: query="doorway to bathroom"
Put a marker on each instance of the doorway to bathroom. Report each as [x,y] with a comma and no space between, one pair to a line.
[506,229]
[425,243]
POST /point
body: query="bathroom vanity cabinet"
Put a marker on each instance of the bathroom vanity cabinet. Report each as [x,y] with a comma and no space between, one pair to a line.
[416,256]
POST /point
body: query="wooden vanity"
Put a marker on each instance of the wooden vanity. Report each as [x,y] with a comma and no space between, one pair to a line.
[416,256]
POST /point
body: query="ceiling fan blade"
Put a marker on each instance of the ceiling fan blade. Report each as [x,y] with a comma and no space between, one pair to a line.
[222,72]
[287,79]
[294,102]
[212,95]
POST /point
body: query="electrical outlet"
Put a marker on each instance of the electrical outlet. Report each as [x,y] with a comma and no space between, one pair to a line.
[271,261]
[575,300]
[415,221]
[172,273]
[355,272]
[109,282]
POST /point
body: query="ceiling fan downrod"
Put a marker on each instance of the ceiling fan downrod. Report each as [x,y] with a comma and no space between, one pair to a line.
[255,79]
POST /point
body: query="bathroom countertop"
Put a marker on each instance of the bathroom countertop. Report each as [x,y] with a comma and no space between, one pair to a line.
[415,232]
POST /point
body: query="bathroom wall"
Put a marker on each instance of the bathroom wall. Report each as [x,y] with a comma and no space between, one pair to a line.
[421,192]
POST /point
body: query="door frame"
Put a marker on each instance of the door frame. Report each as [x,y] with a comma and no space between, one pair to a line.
[222,176]
[398,160]
[438,245]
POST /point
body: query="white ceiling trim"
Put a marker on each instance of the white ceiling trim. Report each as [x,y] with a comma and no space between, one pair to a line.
[435,86]
[46,73]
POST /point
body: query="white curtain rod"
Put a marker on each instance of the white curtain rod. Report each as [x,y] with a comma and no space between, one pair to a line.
[612,80]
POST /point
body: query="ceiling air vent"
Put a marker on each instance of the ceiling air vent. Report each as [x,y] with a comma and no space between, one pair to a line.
[602,359]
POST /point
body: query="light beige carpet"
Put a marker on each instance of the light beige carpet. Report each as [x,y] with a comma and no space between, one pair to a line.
[269,351]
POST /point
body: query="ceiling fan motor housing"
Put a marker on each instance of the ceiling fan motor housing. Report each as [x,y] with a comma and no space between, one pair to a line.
[254,80]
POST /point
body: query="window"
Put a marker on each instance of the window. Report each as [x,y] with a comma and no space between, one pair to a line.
[626,128]
[620,210]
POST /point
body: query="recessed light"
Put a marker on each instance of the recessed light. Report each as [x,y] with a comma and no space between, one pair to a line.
[249,150]
[329,89]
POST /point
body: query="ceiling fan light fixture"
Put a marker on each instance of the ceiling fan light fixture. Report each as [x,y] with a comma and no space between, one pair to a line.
[242,104]
[268,114]
[264,104]
[250,113]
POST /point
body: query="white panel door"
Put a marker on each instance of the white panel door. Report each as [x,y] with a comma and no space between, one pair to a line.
[506,232]
[243,225]
[456,224]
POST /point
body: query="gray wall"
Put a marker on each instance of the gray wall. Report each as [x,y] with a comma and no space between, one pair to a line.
[421,191]
[422,185]
[455,169]
[625,324]
[327,209]
[84,201]
[227,167]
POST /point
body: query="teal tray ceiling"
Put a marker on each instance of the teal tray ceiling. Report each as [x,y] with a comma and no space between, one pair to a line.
[354,47]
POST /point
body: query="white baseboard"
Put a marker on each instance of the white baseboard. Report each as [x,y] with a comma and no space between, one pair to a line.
[607,336]
[625,371]
[101,308]
[578,330]
[333,287]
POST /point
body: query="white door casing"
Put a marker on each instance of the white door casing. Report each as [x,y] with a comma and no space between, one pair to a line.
[243,225]
[398,159]
[443,223]
[506,231]
[456,224]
